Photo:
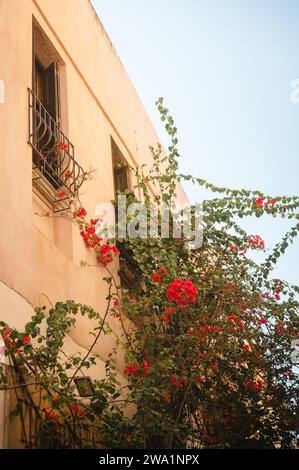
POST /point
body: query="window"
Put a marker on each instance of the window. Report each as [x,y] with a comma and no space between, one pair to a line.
[129,269]
[45,85]
[55,174]
[121,173]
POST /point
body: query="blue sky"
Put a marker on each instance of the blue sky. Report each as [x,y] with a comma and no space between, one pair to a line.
[224,68]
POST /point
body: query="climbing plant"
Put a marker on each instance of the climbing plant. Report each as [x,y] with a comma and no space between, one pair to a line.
[208,360]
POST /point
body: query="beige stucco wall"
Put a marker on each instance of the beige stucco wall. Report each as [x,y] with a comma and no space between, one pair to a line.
[41,255]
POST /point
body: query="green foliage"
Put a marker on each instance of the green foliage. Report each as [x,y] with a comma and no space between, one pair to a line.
[213,372]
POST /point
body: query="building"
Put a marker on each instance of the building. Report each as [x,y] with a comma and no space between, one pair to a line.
[60,76]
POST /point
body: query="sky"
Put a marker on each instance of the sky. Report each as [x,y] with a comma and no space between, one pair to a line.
[225,69]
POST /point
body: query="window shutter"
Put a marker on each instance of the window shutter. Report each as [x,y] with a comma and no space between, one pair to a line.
[51,91]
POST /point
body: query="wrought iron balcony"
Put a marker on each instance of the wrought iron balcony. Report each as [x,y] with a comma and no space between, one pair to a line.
[56,176]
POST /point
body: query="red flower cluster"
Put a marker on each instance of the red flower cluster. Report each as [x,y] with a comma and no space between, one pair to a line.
[176,382]
[61,194]
[89,236]
[76,411]
[259,202]
[182,292]
[256,242]
[237,320]
[94,221]
[159,275]
[253,386]
[68,174]
[277,290]
[51,415]
[272,202]
[167,311]
[80,213]
[11,343]
[134,369]
[146,366]
[105,253]
[26,339]
[62,145]
[204,331]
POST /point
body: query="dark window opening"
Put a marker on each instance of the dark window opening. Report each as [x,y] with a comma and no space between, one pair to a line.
[128,268]
[45,88]
[121,173]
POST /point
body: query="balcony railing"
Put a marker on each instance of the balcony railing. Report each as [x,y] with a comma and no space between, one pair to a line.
[56,176]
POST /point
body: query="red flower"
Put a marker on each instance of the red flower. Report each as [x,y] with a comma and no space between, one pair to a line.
[277,295]
[68,173]
[259,202]
[74,408]
[182,292]
[146,366]
[167,311]
[50,415]
[26,339]
[105,253]
[256,242]
[272,202]
[253,386]
[94,221]
[61,194]
[131,370]
[76,411]
[214,366]
[175,381]
[80,213]
[246,348]
[62,145]
[159,275]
